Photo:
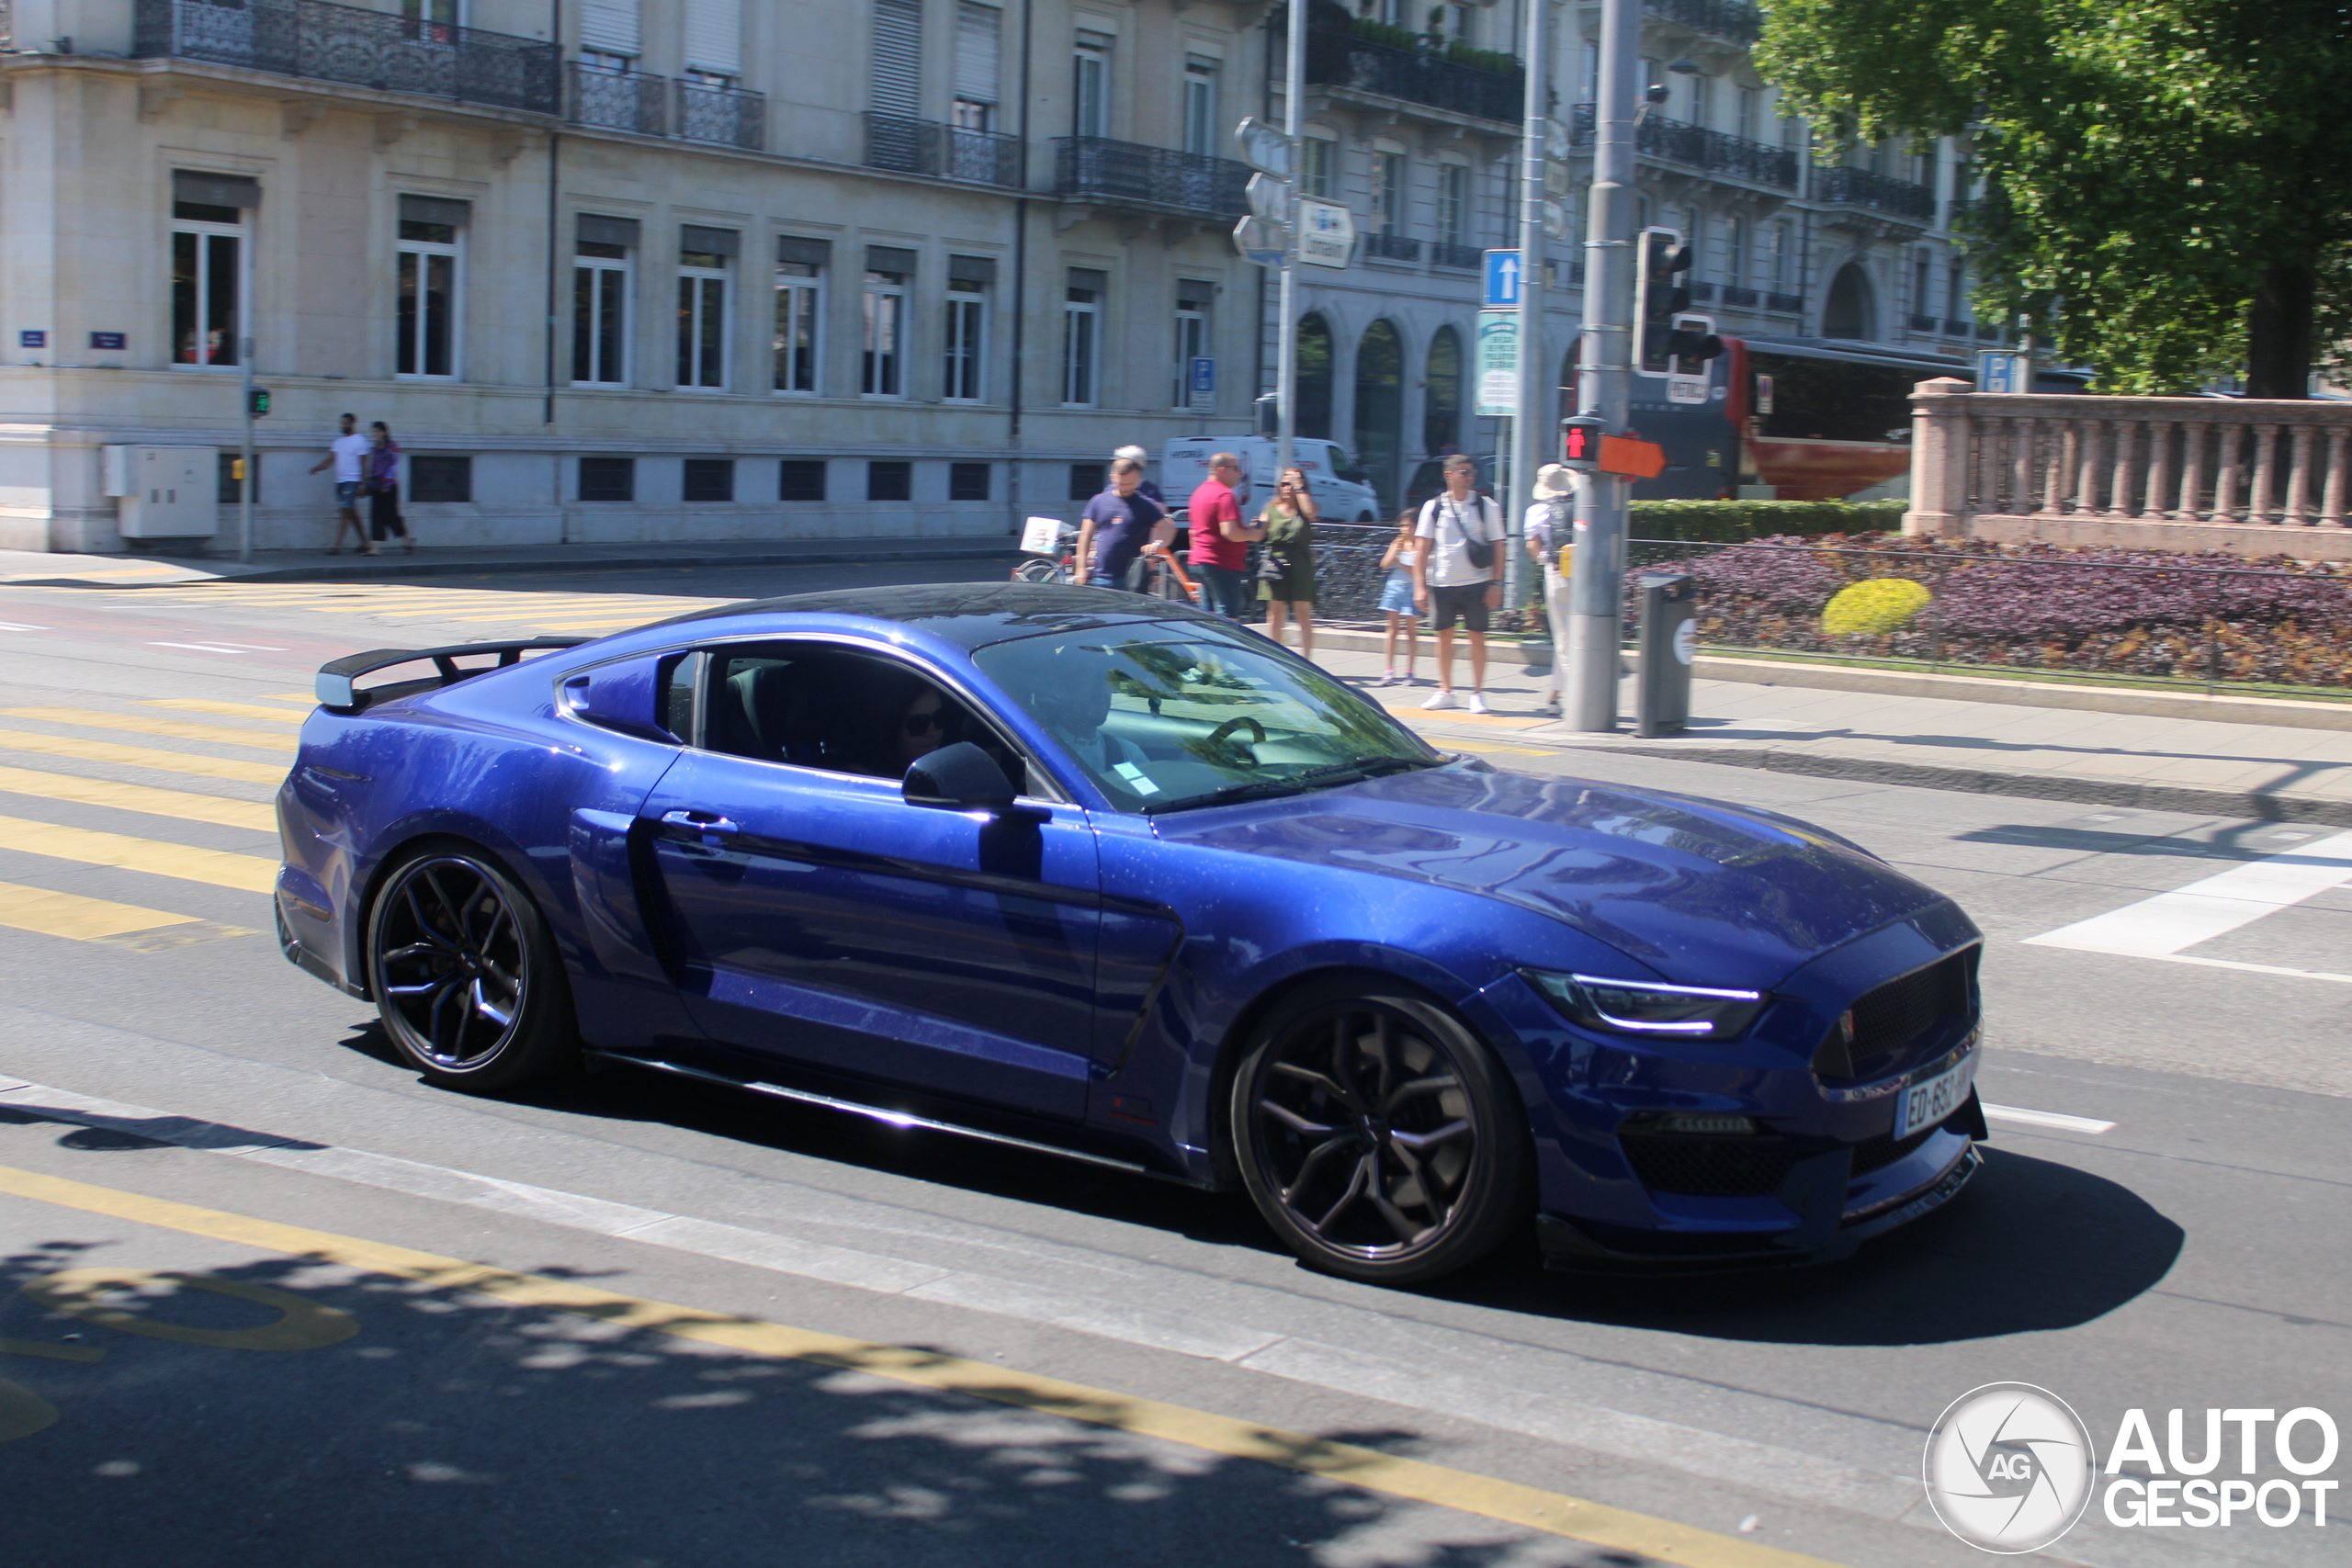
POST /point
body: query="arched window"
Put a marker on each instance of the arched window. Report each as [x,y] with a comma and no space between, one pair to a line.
[1380,406]
[1315,378]
[1849,312]
[1441,394]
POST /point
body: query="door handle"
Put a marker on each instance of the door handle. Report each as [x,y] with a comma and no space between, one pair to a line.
[711,828]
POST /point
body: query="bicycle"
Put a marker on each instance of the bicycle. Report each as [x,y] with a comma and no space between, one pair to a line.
[1165,576]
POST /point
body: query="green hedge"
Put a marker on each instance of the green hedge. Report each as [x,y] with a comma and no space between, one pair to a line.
[1734,522]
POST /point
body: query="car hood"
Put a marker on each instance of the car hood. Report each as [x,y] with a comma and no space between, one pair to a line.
[1701,892]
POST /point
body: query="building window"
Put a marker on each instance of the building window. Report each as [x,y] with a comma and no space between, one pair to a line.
[1388,193]
[1087,481]
[1956,305]
[896,83]
[1776,261]
[799,313]
[702,255]
[1703,102]
[425,303]
[886,335]
[980,64]
[893,480]
[607,62]
[1318,166]
[1735,252]
[1749,108]
[1091,86]
[207,283]
[964,353]
[443,479]
[800,479]
[709,478]
[1200,105]
[1191,337]
[1454,204]
[609,479]
[1923,297]
[1081,339]
[969,481]
[600,279]
[1590,90]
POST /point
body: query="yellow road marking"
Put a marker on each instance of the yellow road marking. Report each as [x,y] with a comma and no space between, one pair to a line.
[246,874]
[1529,1507]
[604,625]
[71,915]
[1457,716]
[140,797]
[141,724]
[226,710]
[142,757]
[1484,747]
[98,576]
[82,1353]
[307,699]
[303,1324]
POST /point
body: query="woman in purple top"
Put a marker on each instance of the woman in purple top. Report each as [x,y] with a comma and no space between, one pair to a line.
[1117,525]
[379,480]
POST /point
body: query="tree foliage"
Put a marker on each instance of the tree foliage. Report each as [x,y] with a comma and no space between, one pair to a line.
[2165,180]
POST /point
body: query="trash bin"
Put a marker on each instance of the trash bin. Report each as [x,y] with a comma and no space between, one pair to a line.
[1670,641]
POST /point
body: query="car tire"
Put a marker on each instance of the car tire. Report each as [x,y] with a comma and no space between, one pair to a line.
[1378,1136]
[465,975]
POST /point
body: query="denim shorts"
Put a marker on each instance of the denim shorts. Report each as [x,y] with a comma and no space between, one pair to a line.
[346,493]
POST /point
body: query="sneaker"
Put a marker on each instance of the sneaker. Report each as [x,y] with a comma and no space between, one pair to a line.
[1549,707]
[1442,700]
[1477,702]
[1387,678]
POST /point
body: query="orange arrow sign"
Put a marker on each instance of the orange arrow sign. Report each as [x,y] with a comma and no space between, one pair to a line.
[1632,458]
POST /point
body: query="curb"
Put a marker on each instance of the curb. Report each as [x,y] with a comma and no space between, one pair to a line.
[405,568]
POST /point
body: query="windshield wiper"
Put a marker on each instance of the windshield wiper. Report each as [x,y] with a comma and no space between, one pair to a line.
[1297,784]
[1254,789]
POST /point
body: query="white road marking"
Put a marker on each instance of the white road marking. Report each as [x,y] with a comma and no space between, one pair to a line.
[201,647]
[2057,1118]
[22,627]
[2162,927]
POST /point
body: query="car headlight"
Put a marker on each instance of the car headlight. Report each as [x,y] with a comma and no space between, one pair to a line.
[1649,1007]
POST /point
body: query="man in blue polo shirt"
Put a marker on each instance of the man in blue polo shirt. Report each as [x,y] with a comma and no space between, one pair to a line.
[1117,525]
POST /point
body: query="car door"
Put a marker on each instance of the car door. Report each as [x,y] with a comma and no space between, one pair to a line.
[814,915]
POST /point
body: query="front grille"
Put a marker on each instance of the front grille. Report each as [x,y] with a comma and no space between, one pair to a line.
[1882,1151]
[1711,1168]
[1896,1014]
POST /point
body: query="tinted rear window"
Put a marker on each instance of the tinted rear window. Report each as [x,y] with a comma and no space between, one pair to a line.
[1836,399]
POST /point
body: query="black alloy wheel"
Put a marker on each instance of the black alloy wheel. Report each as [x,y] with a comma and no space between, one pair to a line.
[465,975]
[1380,1138]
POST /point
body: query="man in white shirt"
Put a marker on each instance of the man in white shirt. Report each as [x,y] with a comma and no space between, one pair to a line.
[1448,582]
[347,453]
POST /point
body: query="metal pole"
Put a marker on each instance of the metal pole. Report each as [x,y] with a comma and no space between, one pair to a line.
[1605,374]
[1286,351]
[245,457]
[1527,443]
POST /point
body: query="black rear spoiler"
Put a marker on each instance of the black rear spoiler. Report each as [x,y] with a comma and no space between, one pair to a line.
[339,681]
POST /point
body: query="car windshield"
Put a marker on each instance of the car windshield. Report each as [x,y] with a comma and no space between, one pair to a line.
[1162,717]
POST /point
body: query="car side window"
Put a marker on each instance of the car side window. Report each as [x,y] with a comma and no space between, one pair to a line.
[816,706]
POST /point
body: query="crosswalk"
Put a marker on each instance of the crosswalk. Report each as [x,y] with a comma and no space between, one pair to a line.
[394,604]
[64,762]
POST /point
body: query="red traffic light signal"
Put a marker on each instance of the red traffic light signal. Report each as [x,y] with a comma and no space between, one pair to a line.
[1580,441]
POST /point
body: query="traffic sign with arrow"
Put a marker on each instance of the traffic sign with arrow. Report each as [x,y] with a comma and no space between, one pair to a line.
[1264,148]
[1502,281]
[1266,244]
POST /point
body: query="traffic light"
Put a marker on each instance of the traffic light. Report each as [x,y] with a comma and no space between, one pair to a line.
[1580,441]
[1658,295]
[259,404]
[1269,409]
[1690,342]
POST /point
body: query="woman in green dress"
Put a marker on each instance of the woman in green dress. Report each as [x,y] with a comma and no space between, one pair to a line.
[1286,574]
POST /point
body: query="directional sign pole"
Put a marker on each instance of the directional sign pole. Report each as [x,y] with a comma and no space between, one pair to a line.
[1286,354]
[1526,445]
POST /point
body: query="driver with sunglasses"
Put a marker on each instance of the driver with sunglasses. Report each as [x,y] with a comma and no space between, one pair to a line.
[922,727]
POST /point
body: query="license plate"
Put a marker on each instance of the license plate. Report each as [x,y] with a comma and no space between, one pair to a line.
[1929,1101]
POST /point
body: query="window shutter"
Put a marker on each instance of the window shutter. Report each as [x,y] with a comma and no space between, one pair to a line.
[709,242]
[435,209]
[714,36]
[596,229]
[897,57]
[610,26]
[215,190]
[971,269]
[979,58]
[889,258]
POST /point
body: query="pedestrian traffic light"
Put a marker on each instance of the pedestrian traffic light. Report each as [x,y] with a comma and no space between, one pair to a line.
[1657,295]
[1580,441]
[260,405]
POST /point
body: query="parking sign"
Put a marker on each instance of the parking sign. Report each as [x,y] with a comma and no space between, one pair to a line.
[1202,381]
[1997,371]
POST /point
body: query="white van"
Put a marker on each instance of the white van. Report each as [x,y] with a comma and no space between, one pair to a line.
[1342,492]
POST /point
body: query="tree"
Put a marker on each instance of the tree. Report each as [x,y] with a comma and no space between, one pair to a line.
[2166,191]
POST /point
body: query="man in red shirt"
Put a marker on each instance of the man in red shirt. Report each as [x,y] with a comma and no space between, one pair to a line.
[1221,541]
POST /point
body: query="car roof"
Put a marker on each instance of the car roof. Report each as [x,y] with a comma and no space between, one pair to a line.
[971,614]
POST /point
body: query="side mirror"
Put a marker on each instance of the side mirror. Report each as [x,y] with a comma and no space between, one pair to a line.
[960,777]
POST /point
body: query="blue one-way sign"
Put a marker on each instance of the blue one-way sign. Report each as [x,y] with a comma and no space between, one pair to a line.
[1502,281]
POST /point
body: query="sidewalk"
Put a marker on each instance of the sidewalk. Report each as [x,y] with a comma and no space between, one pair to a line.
[2147,762]
[311,566]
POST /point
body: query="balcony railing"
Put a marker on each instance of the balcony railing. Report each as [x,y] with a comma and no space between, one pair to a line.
[1694,147]
[1725,18]
[728,116]
[1339,60]
[944,152]
[1874,193]
[1392,247]
[618,100]
[362,48]
[1469,258]
[1158,179]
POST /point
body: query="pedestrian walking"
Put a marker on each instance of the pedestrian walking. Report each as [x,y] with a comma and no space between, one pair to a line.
[1453,575]
[1286,570]
[1221,540]
[346,455]
[1140,458]
[1117,525]
[1396,600]
[1551,530]
[382,485]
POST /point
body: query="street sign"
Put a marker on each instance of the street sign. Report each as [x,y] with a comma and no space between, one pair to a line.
[1631,458]
[1202,381]
[1502,281]
[1557,142]
[1268,197]
[1264,148]
[1326,232]
[1266,244]
[1498,362]
[1997,371]
[1557,224]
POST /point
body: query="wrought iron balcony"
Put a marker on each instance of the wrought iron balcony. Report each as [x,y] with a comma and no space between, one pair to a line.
[1694,147]
[1155,179]
[1874,193]
[362,48]
[1730,20]
[1340,60]
[945,151]
[1392,247]
[1469,258]
[728,116]
[618,100]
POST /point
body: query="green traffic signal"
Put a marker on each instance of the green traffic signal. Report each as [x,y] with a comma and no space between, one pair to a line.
[260,405]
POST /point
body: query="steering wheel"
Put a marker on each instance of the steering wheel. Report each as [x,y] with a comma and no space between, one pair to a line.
[1221,738]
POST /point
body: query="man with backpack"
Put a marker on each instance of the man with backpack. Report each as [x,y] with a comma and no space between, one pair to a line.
[1456,575]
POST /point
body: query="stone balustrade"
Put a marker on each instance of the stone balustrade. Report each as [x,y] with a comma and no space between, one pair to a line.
[2166,473]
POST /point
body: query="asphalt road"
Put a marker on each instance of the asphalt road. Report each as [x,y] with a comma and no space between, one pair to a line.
[637,1321]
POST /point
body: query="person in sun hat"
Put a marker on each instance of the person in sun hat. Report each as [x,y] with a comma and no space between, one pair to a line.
[1551,528]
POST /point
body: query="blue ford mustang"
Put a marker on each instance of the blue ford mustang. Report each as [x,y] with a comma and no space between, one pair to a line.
[1072,869]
